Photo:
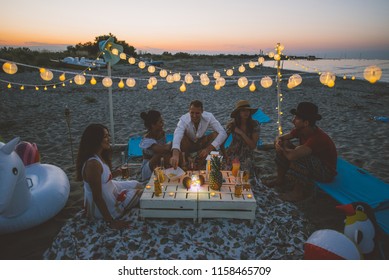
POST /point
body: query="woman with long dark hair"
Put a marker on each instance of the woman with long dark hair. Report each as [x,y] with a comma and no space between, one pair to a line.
[104,198]
[244,131]
[153,144]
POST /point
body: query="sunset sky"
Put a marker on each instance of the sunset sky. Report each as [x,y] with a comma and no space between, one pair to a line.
[331,27]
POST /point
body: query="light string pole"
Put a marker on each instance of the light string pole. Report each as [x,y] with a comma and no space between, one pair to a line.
[277,57]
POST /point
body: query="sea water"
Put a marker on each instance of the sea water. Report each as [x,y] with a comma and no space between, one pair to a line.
[341,67]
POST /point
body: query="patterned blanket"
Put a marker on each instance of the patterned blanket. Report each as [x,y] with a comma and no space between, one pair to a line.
[279,232]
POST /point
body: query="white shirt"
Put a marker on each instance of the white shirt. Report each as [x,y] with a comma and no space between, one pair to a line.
[187,127]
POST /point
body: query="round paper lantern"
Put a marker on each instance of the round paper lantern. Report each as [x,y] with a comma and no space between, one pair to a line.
[372,73]
[170,79]
[205,81]
[230,72]
[271,54]
[93,81]
[10,68]
[216,75]
[242,82]
[121,84]
[217,86]
[294,80]
[149,86]
[46,75]
[203,76]
[151,69]
[241,69]
[62,77]
[107,82]
[153,81]
[261,60]
[328,244]
[183,87]
[141,64]
[252,87]
[163,73]
[326,77]
[221,81]
[79,79]
[176,77]
[115,51]
[251,64]
[122,56]
[130,82]
[266,82]
[188,78]
[131,60]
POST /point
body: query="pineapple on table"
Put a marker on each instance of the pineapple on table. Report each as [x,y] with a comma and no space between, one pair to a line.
[215,176]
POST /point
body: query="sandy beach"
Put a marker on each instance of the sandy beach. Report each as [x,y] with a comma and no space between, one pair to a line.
[38,116]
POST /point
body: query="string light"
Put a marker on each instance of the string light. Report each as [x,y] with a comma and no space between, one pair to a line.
[252,87]
[121,84]
[183,87]
[10,68]
[188,78]
[130,82]
[93,81]
[107,82]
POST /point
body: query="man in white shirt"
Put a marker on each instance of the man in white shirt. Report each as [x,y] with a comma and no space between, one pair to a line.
[189,136]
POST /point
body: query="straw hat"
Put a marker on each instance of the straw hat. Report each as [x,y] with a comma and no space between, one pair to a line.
[243,104]
[307,111]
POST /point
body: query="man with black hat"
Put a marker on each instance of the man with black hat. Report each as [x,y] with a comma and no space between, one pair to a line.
[313,159]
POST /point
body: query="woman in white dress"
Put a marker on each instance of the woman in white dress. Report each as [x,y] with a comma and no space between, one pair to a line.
[153,144]
[104,198]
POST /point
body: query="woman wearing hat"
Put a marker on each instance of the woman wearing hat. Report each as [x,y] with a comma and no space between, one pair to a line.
[244,131]
[313,159]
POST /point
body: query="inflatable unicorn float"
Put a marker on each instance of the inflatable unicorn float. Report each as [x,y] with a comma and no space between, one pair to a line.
[29,195]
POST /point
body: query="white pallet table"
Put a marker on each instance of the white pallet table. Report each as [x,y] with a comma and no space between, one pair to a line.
[197,203]
[174,202]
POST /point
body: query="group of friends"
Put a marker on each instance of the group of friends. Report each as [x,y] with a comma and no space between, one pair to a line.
[312,158]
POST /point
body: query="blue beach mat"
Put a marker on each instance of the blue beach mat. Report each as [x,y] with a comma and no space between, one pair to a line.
[353,184]
[135,151]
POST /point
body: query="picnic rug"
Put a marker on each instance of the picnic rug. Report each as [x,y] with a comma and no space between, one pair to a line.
[279,232]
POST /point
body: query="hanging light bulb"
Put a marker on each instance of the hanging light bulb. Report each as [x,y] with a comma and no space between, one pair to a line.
[266,82]
[54,86]
[151,69]
[183,87]
[141,64]
[45,88]
[22,87]
[230,72]
[79,79]
[251,64]
[344,77]
[121,84]
[10,68]
[107,82]
[149,86]
[9,86]
[62,77]
[123,56]
[131,60]
[242,82]
[261,60]
[130,82]
[294,80]
[241,69]
[331,83]
[217,86]
[36,88]
[115,51]
[188,78]
[372,73]
[252,87]
[271,54]
[216,75]
[163,73]
[93,81]
[277,57]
